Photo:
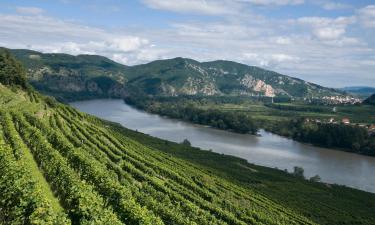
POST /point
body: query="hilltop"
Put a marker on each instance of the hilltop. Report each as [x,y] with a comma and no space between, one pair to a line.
[361,91]
[370,100]
[70,77]
[91,76]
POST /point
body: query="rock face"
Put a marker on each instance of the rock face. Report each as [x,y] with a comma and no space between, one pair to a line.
[97,76]
[195,86]
[257,85]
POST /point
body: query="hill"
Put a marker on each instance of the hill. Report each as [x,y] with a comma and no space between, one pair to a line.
[73,77]
[361,91]
[370,100]
[181,76]
[61,166]
[66,76]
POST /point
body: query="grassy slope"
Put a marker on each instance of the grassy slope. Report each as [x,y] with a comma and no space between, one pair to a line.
[325,204]
[125,179]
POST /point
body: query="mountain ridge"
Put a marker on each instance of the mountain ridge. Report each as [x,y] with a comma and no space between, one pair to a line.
[64,75]
[362,91]
[370,100]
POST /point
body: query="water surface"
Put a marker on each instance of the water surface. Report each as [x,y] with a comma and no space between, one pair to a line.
[268,150]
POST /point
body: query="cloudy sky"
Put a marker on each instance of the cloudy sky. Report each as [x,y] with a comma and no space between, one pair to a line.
[327,42]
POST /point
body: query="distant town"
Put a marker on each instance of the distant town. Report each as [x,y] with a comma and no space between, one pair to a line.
[334,100]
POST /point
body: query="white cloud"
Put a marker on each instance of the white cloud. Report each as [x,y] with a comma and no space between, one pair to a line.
[51,35]
[274,2]
[334,5]
[283,40]
[210,7]
[280,57]
[319,49]
[29,10]
[329,33]
[214,7]
[325,28]
[367,16]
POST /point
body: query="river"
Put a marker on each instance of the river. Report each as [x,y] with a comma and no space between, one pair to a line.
[267,150]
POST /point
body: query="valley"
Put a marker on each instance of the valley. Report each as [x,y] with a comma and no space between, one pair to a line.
[68,167]
[266,150]
[239,97]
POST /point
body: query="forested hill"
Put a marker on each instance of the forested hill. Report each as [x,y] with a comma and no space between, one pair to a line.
[90,76]
[370,100]
[361,91]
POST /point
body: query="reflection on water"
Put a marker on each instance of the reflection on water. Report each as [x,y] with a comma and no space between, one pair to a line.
[268,150]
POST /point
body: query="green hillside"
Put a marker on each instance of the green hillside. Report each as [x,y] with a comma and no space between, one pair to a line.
[370,100]
[361,91]
[61,166]
[83,76]
[73,77]
[182,76]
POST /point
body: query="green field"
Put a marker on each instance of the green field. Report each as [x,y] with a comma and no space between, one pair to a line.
[356,113]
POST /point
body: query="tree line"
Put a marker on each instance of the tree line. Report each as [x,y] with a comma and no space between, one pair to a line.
[239,122]
[351,138]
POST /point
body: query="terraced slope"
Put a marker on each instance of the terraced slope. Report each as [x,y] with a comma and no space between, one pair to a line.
[60,166]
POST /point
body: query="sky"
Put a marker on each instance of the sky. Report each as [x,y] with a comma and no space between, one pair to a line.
[331,43]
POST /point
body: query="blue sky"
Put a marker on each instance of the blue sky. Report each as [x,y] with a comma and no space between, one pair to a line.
[327,42]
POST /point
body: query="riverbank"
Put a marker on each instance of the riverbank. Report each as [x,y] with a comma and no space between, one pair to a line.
[236,117]
[307,198]
[269,150]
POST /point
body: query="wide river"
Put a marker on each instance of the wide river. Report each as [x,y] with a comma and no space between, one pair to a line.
[267,150]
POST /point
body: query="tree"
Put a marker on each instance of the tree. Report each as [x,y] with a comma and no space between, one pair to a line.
[299,172]
[186,142]
[315,178]
[11,71]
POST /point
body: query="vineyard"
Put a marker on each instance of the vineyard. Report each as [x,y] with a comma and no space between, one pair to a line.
[60,166]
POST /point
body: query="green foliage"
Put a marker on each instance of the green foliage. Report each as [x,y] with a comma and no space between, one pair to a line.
[186,142]
[315,178]
[370,100]
[322,203]
[11,71]
[185,109]
[298,172]
[101,176]
[21,199]
[101,173]
[349,137]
